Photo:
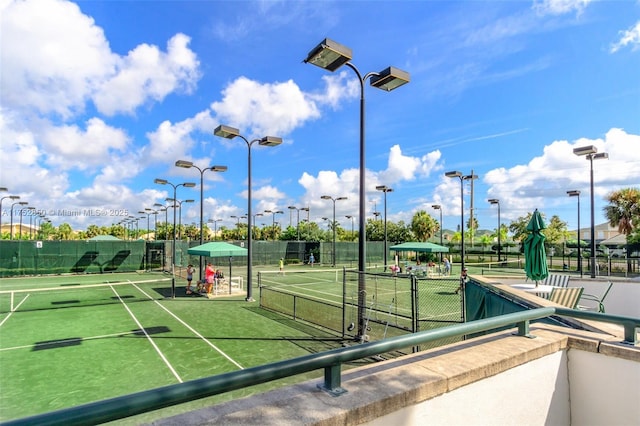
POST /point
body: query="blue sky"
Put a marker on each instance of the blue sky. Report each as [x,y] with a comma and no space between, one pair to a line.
[99,98]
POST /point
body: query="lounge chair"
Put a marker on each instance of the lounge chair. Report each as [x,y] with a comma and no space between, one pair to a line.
[598,300]
[566,296]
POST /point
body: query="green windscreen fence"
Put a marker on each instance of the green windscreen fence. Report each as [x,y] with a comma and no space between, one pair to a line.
[61,257]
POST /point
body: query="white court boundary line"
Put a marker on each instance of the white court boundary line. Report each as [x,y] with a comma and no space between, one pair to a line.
[166,361]
[191,329]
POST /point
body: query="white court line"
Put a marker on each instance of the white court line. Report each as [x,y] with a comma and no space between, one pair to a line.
[192,330]
[14,309]
[147,336]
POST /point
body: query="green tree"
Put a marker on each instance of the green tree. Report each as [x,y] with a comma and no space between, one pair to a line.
[556,231]
[423,226]
[65,232]
[623,211]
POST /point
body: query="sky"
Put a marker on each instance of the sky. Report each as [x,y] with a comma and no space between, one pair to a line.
[99,98]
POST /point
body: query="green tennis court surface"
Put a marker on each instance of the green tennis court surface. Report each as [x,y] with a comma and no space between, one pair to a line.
[75,339]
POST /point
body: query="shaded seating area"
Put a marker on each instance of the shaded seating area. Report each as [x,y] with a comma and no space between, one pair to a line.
[566,296]
[598,300]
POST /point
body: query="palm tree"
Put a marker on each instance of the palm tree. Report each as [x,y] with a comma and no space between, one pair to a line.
[423,226]
[623,211]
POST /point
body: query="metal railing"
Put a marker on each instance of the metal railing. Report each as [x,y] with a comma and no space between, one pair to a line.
[331,361]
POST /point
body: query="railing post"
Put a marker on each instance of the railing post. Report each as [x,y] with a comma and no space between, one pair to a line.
[332,381]
[523,329]
[630,333]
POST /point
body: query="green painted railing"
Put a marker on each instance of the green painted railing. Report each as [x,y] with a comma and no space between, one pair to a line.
[331,361]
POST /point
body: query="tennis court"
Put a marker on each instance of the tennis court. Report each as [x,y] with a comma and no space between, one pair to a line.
[76,339]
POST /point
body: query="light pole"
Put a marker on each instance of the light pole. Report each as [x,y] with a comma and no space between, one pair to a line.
[352,218]
[215,227]
[273,220]
[439,208]
[331,56]
[21,214]
[179,202]
[328,197]
[155,221]
[576,193]
[254,221]
[292,208]
[173,249]
[230,133]
[20,203]
[188,165]
[11,197]
[148,213]
[497,202]
[456,174]
[385,189]
[166,217]
[591,153]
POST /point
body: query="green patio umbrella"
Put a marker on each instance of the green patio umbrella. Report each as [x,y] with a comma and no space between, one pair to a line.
[534,253]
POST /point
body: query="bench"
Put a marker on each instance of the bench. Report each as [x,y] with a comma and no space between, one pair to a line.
[556,280]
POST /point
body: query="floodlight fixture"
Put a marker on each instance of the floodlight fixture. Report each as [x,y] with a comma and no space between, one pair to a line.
[226,132]
[390,78]
[329,55]
[585,150]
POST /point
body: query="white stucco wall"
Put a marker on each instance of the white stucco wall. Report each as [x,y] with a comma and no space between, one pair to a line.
[535,393]
[565,388]
[604,390]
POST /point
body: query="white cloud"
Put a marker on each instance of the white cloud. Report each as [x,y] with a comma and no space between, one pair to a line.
[546,178]
[72,147]
[55,59]
[52,56]
[261,109]
[630,37]
[559,7]
[146,74]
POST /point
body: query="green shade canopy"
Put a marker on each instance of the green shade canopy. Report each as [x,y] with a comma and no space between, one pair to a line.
[217,249]
[534,252]
[420,247]
[104,238]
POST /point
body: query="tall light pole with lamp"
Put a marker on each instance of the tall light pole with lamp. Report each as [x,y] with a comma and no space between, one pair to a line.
[591,153]
[11,197]
[497,202]
[22,214]
[291,209]
[385,189]
[20,203]
[188,165]
[215,227]
[173,248]
[459,175]
[330,56]
[165,209]
[352,219]
[328,197]
[228,132]
[576,193]
[439,208]
[155,220]
[254,220]
[273,220]
[179,202]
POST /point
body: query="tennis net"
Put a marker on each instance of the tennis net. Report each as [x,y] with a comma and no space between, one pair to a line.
[68,296]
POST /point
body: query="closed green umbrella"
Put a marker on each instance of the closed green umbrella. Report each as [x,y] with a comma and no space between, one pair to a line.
[534,253]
